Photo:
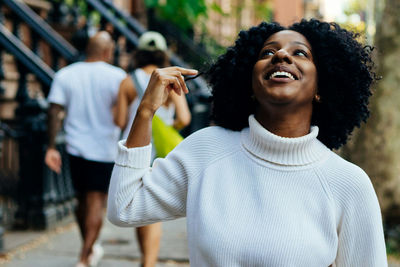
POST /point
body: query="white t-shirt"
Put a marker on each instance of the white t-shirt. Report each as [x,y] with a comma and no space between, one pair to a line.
[88,91]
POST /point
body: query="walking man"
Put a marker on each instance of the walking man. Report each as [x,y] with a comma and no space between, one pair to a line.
[86,92]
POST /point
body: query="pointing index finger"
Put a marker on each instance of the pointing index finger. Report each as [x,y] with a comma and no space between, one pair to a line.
[185,71]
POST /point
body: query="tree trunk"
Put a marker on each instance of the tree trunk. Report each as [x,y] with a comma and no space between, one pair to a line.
[376,146]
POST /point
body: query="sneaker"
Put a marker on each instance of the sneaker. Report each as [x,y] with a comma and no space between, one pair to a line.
[96,255]
[81,264]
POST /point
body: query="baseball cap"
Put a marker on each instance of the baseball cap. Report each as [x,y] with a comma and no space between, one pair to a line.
[152,41]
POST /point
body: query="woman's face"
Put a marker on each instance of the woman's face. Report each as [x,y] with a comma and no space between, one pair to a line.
[285,72]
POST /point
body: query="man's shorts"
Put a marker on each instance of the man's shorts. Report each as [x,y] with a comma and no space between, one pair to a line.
[90,175]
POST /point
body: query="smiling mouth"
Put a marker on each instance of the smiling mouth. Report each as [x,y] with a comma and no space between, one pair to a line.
[282,75]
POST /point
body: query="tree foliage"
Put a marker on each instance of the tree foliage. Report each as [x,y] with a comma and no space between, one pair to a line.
[186,13]
[183,13]
[355,11]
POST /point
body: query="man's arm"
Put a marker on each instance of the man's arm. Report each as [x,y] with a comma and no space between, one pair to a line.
[55,116]
[53,157]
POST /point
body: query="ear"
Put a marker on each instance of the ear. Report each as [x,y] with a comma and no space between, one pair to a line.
[317,98]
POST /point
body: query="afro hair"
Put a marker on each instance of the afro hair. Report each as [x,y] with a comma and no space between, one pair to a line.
[344,69]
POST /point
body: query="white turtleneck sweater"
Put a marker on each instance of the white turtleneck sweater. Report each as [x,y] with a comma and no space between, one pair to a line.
[252,198]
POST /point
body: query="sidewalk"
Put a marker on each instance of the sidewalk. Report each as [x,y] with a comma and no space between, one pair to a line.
[60,247]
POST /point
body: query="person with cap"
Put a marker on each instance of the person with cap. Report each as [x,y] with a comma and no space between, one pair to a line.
[87,92]
[151,54]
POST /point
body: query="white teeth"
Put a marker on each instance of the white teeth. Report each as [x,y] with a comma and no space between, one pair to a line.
[281,73]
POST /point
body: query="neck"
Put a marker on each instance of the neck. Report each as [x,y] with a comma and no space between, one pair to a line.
[94,59]
[285,122]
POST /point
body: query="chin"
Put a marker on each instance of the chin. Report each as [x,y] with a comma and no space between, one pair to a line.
[276,100]
[281,101]
[277,95]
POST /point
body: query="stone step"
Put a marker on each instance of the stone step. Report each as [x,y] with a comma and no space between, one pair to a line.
[7,110]
[11,77]
[9,64]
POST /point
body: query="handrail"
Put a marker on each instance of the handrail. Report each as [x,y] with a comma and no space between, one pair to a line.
[132,23]
[129,35]
[189,49]
[23,54]
[43,29]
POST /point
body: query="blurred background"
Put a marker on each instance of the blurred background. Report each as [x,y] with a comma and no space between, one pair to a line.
[38,37]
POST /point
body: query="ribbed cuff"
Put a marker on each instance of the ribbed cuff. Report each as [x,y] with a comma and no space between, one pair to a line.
[137,157]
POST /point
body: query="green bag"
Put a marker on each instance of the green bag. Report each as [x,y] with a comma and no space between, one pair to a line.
[165,137]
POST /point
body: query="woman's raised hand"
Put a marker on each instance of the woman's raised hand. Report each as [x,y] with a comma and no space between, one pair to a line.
[161,83]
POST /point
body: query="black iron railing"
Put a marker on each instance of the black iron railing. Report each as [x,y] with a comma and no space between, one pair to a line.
[39,27]
[25,56]
[43,197]
[191,51]
[131,23]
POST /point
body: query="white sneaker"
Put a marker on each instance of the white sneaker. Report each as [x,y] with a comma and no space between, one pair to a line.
[81,264]
[96,255]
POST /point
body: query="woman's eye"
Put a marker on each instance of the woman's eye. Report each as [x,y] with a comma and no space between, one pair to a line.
[300,53]
[267,53]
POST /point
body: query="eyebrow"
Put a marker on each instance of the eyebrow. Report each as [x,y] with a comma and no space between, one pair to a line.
[300,43]
[295,42]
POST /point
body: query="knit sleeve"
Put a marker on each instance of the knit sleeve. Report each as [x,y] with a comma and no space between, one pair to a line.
[360,231]
[140,195]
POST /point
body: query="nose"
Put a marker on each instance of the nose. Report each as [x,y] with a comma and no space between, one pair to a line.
[282,56]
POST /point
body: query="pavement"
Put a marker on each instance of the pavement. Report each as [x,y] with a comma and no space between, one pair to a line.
[60,247]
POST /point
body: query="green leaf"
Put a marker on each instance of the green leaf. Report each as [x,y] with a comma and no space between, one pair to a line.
[217,8]
[183,13]
[151,3]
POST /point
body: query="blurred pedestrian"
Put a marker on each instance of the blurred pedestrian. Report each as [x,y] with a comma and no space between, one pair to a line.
[87,92]
[151,54]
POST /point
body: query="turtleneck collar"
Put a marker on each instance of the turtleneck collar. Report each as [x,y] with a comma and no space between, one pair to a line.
[282,150]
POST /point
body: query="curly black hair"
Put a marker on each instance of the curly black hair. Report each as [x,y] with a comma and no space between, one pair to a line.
[344,69]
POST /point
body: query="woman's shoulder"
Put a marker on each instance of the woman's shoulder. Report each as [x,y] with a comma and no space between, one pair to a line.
[215,135]
[209,143]
[346,179]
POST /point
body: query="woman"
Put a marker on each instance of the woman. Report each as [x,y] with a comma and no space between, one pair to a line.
[263,188]
[150,55]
